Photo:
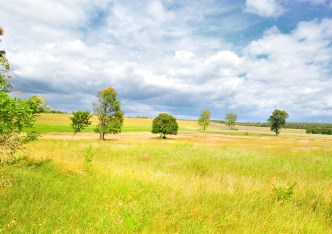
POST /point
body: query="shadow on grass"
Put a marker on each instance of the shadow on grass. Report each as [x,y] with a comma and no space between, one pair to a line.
[109,140]
[163,139]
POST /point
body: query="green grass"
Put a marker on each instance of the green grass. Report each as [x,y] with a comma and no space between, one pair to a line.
[150,185]
[44,128]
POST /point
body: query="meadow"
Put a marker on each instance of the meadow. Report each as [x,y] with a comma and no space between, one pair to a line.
[218,181]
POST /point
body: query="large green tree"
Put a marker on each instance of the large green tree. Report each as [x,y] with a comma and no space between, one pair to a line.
[108,110]
[165,124]
[17,115]
[204,119]
[278,120]
[230,120]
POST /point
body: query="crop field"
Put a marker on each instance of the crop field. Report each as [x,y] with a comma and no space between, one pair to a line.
[218,181]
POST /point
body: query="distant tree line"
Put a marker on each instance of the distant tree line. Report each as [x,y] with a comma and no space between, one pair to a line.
[43,110]
[138,117]
[304,125]
[325,131]
[293,125]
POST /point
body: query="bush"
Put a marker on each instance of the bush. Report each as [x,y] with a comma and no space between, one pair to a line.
[283,193]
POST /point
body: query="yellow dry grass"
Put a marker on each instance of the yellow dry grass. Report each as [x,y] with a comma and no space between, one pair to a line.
[193,182]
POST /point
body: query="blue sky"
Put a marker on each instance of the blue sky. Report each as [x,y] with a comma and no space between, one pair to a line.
[248,57]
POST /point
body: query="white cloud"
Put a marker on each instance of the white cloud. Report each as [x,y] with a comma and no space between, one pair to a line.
[317,2]
[264,8]
[291,71]
[157,11]
[183,55]
[159,62]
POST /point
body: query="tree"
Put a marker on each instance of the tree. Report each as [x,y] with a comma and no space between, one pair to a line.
[230,120]
[108,110]
[17,115]
[80,120]
[204,119]
[5,76]
[277,120]
[165,124]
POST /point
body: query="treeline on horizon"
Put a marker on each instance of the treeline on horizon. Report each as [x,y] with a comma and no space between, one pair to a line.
[293,125]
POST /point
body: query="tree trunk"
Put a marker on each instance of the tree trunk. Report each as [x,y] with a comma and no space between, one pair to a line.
[164,136]
[102,136]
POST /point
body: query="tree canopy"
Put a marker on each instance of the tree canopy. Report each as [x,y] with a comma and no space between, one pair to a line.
[278,120]
[5,85]
[108,110]
[230,120]
[80,120]
[165,124]
[17,115]
[204,119]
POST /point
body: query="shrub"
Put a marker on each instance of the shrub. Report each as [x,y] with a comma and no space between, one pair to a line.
[283,193]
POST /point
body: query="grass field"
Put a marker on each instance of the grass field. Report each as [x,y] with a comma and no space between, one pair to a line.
[217,182]
[60,123]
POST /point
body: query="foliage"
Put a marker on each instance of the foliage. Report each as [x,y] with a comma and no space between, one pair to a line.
[46,109]
[291,125]
[165,124]
[304,125]
[204,119]
[325,131]
[108,110]
[230,120]
[54,112]
[80,120]
[5,76]
[253,124]
[283,193]
[278,120]
[15,115]
[138,117]
[88,157]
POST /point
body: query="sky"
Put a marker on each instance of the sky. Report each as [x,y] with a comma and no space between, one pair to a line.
[247,57]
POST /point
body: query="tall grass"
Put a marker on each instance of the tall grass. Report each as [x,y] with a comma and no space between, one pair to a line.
[200,184]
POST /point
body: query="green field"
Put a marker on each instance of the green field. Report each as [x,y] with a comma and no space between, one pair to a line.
[220,181]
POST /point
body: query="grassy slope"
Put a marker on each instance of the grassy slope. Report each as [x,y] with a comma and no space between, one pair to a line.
[199,183]
[60,123]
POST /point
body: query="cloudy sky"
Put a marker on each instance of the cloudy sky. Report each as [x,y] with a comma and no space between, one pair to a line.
[177,56]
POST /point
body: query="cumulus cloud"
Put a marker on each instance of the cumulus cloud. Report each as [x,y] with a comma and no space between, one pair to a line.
[264,8]
[157,11]
[160,59]
[294,69]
